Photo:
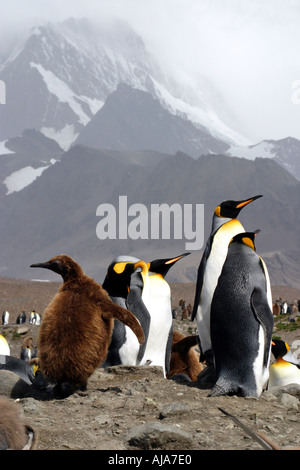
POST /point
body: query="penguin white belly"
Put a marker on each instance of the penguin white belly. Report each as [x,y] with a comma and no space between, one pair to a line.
[213,270]
[283,373]
[4,347]
[129,351]
[268,284]
[261,373]
[159,307]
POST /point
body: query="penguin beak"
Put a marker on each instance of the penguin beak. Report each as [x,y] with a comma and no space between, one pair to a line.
[173,260]
[46,265]
[162,266]
[247,201]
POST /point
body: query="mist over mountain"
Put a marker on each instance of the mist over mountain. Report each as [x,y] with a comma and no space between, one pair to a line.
[90,117]
[59,76]
[286,152]
[132,119]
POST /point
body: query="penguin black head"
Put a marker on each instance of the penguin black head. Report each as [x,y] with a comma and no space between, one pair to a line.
[63,265]
[231,209]
[117,279]
[162,266]
[279,348]
[246,238]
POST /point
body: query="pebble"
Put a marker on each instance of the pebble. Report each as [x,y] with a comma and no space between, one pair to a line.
[173,409]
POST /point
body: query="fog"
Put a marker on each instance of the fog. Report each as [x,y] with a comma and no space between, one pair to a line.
[250,50]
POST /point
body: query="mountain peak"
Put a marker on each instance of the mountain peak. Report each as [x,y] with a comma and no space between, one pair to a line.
[132,119]
[62,73]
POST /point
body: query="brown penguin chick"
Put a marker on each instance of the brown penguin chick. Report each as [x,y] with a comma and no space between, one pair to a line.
[184,359]
[77,325]
[276,309]
[26,348]
[27,343]
[15,434]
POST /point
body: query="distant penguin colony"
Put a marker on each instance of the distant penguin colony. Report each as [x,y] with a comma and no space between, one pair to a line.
[5,318]
[21,318]
[241,321]
[26,353]
[77,325]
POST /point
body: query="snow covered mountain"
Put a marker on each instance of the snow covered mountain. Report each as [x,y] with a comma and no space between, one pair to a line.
[133,120]
[24,158]
[58,77]
[286,152]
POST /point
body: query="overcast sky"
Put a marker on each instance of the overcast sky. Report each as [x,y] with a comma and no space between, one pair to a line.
[250,49]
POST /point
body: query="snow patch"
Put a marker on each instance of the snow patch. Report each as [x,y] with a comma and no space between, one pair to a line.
[206,118]
[18,180]
[3,149]
[63,92]
[64,137]
[261,150]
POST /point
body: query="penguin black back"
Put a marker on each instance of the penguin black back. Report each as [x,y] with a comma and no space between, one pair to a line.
[241,321]
[224,226]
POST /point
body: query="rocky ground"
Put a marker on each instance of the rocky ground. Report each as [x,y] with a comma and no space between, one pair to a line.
[135,408]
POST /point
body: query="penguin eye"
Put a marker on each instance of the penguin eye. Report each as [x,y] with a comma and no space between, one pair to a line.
[56,263]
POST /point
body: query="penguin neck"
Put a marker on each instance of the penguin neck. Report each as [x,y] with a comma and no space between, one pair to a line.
[217,222]
[73,273]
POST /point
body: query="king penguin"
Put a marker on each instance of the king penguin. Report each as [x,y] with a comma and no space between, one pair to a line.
[159,344]
[119,281]
[224,227]
[286,369]
[241,321]
[5,318]
[77,326]
[141,287]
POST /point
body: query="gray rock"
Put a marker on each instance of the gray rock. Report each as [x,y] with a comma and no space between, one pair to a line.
[292,389]
[153,435]
[289,401]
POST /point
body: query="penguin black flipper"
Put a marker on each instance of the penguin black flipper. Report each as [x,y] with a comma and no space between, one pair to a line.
[118,338]
[136,305]
[264,316]
[168,350]
[19,367]
[200,277]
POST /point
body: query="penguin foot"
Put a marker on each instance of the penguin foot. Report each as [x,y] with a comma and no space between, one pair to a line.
[65,389]
[217,391]
[207,378]
[180,378]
